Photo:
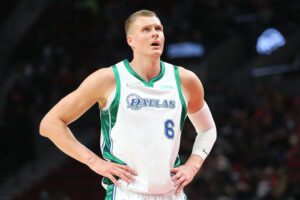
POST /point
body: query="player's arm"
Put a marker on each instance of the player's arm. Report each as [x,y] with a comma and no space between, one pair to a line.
[201,118]
[55,124]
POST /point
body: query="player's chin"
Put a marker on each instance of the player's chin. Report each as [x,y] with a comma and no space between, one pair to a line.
[156,53]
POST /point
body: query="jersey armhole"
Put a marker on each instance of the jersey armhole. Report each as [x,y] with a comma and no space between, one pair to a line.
[115,95]
[182,98]
[110,100]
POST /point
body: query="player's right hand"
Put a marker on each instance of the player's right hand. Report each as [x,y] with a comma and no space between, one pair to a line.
[110,169]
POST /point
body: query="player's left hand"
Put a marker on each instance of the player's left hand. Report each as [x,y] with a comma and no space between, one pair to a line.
[183,175]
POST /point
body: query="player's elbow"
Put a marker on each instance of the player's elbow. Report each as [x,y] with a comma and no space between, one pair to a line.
[45,126]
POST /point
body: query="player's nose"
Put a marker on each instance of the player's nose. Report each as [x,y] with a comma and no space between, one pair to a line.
[155,34]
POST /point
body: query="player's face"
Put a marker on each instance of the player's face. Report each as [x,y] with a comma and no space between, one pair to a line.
[146,36]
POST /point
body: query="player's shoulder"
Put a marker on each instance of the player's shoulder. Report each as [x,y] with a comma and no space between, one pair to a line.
[103,74]
[192,85]
[189,80]
[109,72]
[187,76]
[105,71]
[183,73]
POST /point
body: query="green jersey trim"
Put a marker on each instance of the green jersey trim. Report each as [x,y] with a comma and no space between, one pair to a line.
[183,104]
[177,161]
[108,120]
[152,81]
[110,190]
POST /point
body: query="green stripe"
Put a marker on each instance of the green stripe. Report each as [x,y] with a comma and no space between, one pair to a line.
[105,127]
[152,81]
[183,104]
[109,191]
[108,120]
[183,110]
[177,162]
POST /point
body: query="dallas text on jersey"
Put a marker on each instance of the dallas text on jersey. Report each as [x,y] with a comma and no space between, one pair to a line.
[135,102]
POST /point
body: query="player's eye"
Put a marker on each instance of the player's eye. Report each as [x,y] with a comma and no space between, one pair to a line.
[146,29]
[158,28]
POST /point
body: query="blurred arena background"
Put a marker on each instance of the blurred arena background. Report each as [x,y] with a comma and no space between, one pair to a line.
[246,52]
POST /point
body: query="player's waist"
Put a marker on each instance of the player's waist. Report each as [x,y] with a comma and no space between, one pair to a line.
[151,187]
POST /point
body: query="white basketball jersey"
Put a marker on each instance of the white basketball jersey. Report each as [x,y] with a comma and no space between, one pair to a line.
[141,127]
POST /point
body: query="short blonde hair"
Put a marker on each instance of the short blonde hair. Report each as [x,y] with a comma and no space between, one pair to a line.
[135,15]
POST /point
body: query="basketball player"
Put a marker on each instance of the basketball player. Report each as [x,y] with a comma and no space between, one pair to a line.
[143,105]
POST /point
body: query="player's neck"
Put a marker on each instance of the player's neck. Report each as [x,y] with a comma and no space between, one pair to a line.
[147,68]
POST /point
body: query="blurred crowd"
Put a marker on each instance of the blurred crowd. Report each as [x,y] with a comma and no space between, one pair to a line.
[257,152]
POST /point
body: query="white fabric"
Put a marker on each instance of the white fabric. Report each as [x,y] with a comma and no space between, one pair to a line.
[139,135]
[121,193]
[204,143]
[202,119]
[204,124]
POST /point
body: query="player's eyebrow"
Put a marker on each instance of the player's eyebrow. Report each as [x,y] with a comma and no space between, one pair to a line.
[150,25]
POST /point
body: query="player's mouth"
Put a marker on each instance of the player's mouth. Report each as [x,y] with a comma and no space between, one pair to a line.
[155,44]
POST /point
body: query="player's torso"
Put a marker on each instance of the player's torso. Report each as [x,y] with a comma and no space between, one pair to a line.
[144,126]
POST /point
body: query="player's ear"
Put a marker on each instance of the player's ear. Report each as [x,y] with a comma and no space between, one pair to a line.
[130,41]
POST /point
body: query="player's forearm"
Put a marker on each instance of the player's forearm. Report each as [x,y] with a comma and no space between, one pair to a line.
[59,133]
[195,162]
[206,130]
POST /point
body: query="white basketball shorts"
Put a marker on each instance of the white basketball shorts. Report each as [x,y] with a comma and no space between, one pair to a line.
[120,193]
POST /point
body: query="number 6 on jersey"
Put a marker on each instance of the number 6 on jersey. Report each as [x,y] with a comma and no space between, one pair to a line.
[169,131]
